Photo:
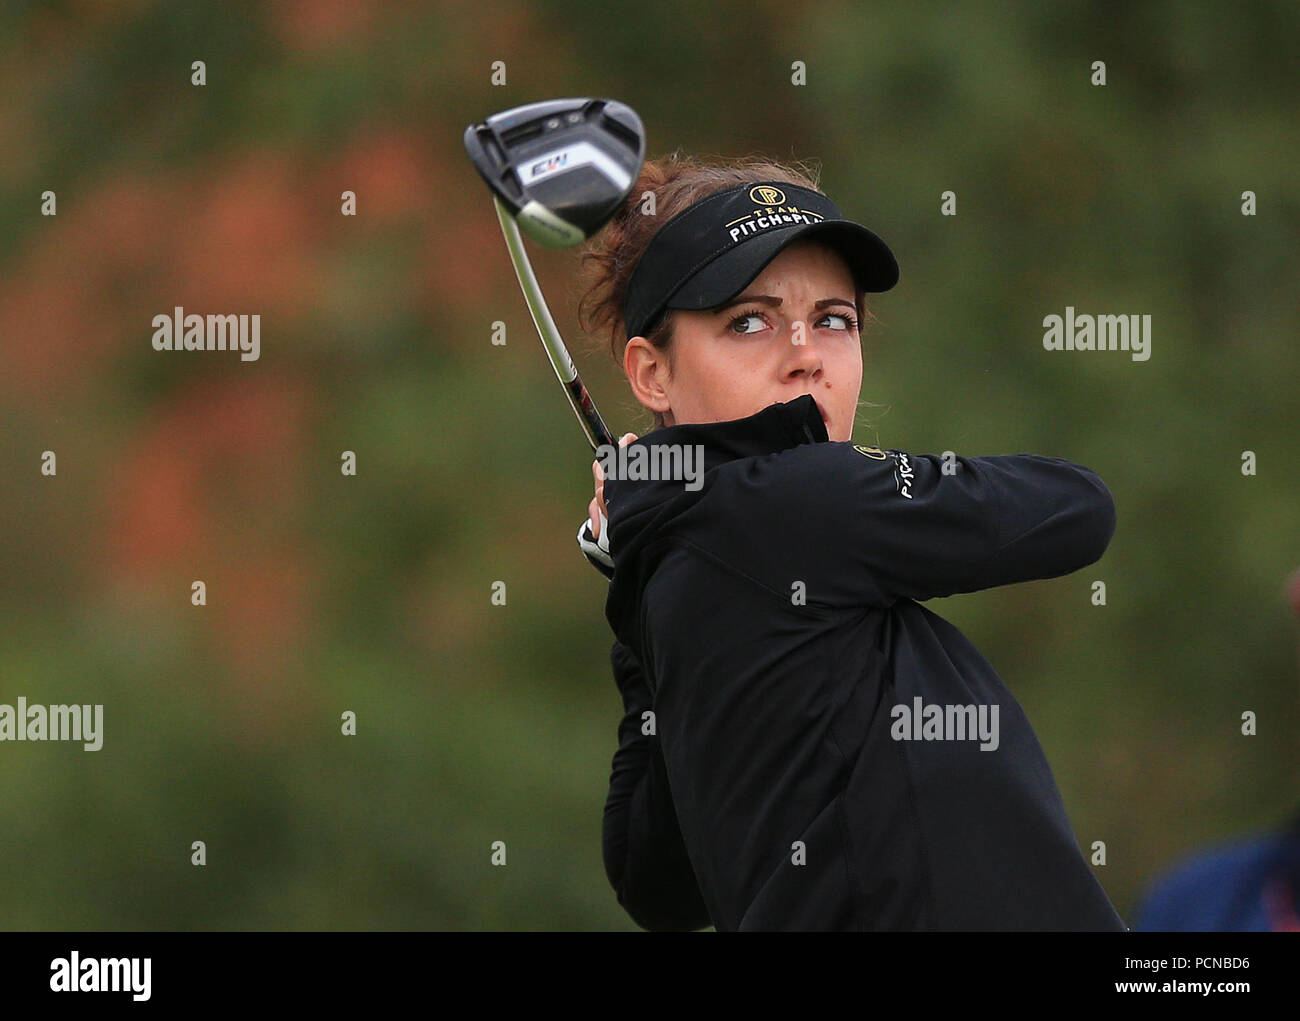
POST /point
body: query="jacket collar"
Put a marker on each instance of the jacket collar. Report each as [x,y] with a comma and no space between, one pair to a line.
[777,427]
[639,510]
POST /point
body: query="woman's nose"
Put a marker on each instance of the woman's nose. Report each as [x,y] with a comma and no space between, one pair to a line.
[803,357]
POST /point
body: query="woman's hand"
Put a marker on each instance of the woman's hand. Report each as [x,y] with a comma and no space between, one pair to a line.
[596,509]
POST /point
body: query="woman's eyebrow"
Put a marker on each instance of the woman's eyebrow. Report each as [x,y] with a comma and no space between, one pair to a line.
[773,301]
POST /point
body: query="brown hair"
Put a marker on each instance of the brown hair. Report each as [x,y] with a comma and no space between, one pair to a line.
[676,181]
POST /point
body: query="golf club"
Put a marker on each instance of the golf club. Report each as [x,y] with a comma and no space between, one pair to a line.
[558,170]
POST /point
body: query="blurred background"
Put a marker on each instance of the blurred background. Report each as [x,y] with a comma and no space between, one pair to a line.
[479,723]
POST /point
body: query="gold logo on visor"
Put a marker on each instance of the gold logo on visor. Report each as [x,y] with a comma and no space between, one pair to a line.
[766,195]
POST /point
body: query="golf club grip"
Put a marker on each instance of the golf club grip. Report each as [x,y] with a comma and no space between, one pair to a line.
[593,425]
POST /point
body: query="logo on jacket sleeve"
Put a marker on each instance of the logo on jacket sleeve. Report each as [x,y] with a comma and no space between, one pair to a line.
[903,476]
[903,473]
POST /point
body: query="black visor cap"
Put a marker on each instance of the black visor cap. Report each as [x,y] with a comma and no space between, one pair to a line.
[708,253]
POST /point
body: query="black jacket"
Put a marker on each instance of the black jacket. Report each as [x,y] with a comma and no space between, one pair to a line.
[770,622]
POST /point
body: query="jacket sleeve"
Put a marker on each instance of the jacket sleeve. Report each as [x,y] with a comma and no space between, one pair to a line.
[861,525]
[645,857]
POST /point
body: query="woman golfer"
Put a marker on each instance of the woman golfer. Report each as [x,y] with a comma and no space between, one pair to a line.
[805,745]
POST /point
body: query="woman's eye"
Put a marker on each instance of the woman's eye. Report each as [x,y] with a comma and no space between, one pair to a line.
[744,318]
[840,322]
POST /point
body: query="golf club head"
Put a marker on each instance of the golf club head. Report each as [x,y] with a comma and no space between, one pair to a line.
[562,167]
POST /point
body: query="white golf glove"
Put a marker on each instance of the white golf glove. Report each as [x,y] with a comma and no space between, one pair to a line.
[597,550]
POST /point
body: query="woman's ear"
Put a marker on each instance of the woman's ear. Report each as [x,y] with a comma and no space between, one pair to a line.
[647,372]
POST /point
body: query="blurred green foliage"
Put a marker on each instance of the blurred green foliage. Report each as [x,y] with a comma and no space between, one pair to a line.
[479,723]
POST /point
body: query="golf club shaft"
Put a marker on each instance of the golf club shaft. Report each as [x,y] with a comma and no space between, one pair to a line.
[588,417]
